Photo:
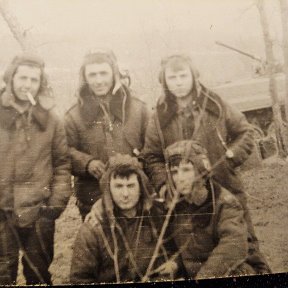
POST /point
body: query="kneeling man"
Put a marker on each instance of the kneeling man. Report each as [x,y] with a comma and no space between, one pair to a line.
[119,236]
[208,225]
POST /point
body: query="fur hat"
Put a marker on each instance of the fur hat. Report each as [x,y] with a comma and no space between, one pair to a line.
[44,97]
[99,55]
[115,162]
[190,150]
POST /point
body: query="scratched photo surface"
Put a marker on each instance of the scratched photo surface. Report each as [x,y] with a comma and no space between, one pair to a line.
[225,40]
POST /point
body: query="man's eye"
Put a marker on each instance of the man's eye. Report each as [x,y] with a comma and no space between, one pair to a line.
[131,185]
[118,186]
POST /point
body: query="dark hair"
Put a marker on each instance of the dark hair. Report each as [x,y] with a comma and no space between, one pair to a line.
[124,171]
[176,159]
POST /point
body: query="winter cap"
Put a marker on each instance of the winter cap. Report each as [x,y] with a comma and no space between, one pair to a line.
[23,59]
[190,150]
[124,160]
[45,96]
[100,55]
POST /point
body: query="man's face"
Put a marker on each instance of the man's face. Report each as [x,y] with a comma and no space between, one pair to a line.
[99,77]
[179,79]
[183,177]
[26,79]
[125,191]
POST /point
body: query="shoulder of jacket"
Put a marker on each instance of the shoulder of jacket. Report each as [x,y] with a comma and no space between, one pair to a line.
[96,215]
[73,110]
[214,103]
[226,197]
[137,100]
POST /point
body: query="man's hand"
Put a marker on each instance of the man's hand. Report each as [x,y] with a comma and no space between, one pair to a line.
[96,168]
[168,268]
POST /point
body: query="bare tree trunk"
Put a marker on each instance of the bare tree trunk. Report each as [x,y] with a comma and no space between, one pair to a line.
[272,83]
[284,16]
[14,26]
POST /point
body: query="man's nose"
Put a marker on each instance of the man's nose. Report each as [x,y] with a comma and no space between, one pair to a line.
[181,177]
[125,191]
[178,81]
[27,83]
[98,79]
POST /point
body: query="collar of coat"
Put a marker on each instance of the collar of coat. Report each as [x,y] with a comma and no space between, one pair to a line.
[201,215]
[9,114]
[167,106]
[90,105]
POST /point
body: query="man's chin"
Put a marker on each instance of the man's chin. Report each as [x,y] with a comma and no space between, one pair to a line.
[185,192]
[100,93]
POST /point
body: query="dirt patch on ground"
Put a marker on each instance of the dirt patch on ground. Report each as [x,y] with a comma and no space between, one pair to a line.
[266,186]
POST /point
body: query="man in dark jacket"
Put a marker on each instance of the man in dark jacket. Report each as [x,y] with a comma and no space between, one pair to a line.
[106,119]
[35,179]
[188,110]
[208,223]
[119,236]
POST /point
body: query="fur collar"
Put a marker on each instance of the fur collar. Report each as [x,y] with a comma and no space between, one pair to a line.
[90,105]
[167,106]
[8,116]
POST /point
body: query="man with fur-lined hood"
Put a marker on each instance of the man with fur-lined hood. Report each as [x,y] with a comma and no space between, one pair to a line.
[208,223]
[118,238]
[107,119]
[35,179]
[188,110]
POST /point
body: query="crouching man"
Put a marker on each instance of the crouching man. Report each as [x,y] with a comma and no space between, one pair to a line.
[118,238]
[35,179]
[208,226]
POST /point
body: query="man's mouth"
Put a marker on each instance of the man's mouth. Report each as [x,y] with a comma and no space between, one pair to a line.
[30,98]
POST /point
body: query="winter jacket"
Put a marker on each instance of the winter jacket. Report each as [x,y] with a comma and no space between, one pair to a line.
[94,251]
[91,138]
[35,166]
[221,128]
[214,235]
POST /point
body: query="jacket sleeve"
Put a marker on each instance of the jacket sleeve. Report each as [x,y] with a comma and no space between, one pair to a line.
[79,159]
[240,134]
[86,256]
[153,156]
[232,248]
[61,184]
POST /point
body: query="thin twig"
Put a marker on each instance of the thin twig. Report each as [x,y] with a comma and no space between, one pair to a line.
[161,236]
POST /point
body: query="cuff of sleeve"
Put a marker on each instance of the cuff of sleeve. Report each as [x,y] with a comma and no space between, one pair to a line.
[87,165]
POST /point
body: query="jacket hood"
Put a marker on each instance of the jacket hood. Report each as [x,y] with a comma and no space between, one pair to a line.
[166,104]
[183,58]
[203,97]
[190,150]
[98,56]
[147,191]
[44,99]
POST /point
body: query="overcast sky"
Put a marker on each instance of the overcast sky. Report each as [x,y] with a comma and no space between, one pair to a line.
[213,18]
[188,25]
[208,20]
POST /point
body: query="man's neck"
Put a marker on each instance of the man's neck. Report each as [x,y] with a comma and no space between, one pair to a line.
[183,102]
[129,213]
[21,106]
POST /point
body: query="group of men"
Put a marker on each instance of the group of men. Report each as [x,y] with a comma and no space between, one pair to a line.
[159,196]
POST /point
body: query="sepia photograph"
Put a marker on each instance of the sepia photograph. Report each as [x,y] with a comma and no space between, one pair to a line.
[143,141]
